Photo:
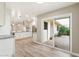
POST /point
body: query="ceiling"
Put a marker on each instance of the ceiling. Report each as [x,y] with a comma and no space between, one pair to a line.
[34,9]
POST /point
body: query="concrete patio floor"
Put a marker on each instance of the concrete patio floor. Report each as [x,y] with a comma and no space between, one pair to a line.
[60,42]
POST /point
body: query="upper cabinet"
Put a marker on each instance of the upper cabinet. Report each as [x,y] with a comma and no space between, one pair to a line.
[2,13]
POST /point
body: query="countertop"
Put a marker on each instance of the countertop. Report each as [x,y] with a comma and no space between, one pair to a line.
[6,36]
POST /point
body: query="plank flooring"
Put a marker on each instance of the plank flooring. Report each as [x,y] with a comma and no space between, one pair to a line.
[27,48]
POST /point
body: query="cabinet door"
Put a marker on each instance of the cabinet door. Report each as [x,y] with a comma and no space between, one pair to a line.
[2,13]
[7,47]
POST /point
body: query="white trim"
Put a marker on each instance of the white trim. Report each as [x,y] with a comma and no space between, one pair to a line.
[67,52]
[53,35]
[63,15]
[76,54]
[71,32]
[59,16]
[66,15]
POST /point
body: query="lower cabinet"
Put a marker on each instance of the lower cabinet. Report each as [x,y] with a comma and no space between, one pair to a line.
[7,47]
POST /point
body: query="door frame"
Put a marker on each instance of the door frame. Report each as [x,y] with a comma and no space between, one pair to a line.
[61,16]
[47,29]
[70,21]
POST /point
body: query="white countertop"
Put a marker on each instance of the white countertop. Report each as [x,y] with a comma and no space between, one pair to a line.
[6,36]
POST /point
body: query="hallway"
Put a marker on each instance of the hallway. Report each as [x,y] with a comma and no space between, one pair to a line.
[26,48]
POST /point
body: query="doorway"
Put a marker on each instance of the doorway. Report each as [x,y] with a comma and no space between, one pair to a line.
[62,33]
[61,29]
[47,32]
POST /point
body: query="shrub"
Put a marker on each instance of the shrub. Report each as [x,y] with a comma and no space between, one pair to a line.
[63,31]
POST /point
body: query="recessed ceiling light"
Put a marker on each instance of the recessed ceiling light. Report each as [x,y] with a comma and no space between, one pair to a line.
[13,13]
[40,2]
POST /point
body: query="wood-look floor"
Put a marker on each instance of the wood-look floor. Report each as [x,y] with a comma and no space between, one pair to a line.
[26,48]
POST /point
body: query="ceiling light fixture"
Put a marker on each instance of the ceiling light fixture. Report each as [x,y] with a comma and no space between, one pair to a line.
[40,2]
[13,13]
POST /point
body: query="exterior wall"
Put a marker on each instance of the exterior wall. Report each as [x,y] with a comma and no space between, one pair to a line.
[74,9]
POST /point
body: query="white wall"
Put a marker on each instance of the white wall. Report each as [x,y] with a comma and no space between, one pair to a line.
[45,36]
[49,30]
[74,9]
[39,29]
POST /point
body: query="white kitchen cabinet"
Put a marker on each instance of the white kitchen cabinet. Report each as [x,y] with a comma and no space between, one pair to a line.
[7,46]
[2,13]
[20,35]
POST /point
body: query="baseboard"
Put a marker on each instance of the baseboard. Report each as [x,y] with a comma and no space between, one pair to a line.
[76,54]
[22,38]
[58,49]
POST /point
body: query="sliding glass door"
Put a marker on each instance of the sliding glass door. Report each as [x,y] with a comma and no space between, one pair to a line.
[62,33]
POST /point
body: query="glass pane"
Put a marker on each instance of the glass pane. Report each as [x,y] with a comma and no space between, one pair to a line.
[62,33]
